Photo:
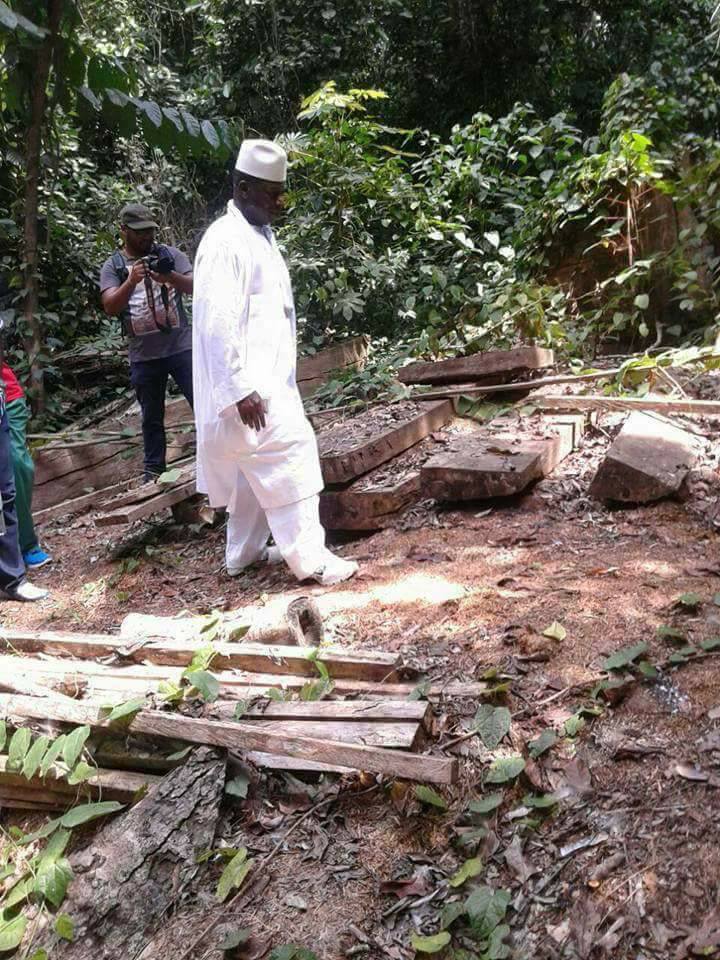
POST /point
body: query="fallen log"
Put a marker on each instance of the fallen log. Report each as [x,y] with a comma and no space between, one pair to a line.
[494,364]
[54,788]
[133,871]
[649,459]
[341,664]
[241,736]
[699,408]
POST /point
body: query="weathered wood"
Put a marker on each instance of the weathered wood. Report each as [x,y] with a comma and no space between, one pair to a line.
[483,466]
[523,386]
[271,761]
[132,872]
[367,508]
[387,711]
[403,736]
[242,736]
[67,508]
[148,507]
[667,405]
[496,363]
[313,371]
[104,784]
[368,454]
[347,664]
[648,459]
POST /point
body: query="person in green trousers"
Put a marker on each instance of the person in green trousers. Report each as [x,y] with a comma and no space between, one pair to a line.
[24,470]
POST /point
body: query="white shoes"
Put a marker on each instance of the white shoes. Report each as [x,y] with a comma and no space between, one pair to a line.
[269,555]
[335,570]
[25,592]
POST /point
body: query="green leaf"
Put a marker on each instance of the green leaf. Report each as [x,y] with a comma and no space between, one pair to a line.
[91,98]
[690,601]
[73,746]
[152,111]
[52,880]
[492,724]
[125,711]
[210,134]
[241,708]
[54,751]
[170,476]
[450,913]
[292,952]
[236,939]
[89,811]
[647,670]
[430,796]
[3,734]
[624,657]
[82,772]
[486,908]
[471,868]
[39,955]
[238,786]
[233,875]
[573,725]
[432,944]
[711,644]
[642,301]
[537,747]
[496,949]
[170,692]
[19,893]
[206,685]
[12,20]
[12,932]
[55,848]
[556,631]
[541,801]
[64,927]
[19,746]
[34,757]
[670,633]
[191,124]
[421,691]
[487,804]
[504,769]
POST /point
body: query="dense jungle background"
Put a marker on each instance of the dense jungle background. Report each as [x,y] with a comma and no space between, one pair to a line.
[464,174]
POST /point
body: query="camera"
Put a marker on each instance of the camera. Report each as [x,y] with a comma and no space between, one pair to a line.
[160,260]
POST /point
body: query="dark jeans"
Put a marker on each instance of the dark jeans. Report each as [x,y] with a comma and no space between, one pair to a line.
[150,377]
[12,568]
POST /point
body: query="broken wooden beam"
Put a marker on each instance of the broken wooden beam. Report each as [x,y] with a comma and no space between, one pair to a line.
[124,786]
[358,445]
[240,736]
[667,405]
[486,465]
[648,459]
[492,365]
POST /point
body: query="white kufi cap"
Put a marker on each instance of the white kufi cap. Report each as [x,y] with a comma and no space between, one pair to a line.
[263,159]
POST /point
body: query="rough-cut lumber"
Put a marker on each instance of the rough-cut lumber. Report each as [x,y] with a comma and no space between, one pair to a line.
[339,467]
[523,386]
[133,871]
[67,508]
[667,405]
[496,363]
[313,371]
[484,465]
[648,459]
[271,761]
[148,507]
[124,786]
[347,664]
[241,736]
[403,736]
[130,680]
[388,711]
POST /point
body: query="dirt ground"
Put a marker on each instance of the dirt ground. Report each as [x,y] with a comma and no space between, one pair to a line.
[624,861]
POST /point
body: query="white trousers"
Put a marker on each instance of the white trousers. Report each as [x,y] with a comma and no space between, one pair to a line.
[296,529]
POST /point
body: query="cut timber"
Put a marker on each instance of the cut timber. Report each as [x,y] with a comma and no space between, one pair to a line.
[130,875]
[378,441]
[272,761]
[125,681]
[371,502]
[103,784]
[668,405]
[348,664]
[648,459]
[486,465]
[148,507]
[373,734]
[241,736]
[313,371]
[67,508]
[523,386]
[496,363]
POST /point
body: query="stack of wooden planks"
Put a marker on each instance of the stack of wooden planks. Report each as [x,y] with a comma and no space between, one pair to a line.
[368,721]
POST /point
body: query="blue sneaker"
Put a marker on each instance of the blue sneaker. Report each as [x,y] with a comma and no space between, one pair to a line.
[36,558]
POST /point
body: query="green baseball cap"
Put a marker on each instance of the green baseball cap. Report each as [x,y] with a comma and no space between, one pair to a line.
[138,217]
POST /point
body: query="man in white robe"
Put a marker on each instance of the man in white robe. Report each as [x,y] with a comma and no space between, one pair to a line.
[256,451]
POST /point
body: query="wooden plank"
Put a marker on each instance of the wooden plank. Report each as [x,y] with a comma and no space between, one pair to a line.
[347,353]
[67,508]
[108,784]
[492,364]
[373,734]
[242,736]
[474,389]
[648,459]
[128,680]
[373,448]
[387,711]
[348,664]
[667,405]
[271,761]
[147,508]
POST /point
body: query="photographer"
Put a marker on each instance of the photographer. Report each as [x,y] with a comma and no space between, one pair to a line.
[143,284]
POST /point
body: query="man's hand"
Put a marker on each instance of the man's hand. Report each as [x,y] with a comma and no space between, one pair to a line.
[136,274]
[252,411]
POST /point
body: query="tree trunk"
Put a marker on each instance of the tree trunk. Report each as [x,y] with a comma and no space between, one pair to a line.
[34,340]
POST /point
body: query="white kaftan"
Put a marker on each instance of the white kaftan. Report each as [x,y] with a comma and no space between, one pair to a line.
[244,340]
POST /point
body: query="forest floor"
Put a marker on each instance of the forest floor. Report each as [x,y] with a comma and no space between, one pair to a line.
[625,864]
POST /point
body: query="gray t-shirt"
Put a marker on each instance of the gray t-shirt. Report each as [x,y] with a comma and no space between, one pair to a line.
[145,340]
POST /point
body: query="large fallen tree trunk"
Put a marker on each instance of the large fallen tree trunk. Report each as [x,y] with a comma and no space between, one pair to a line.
[137,866]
